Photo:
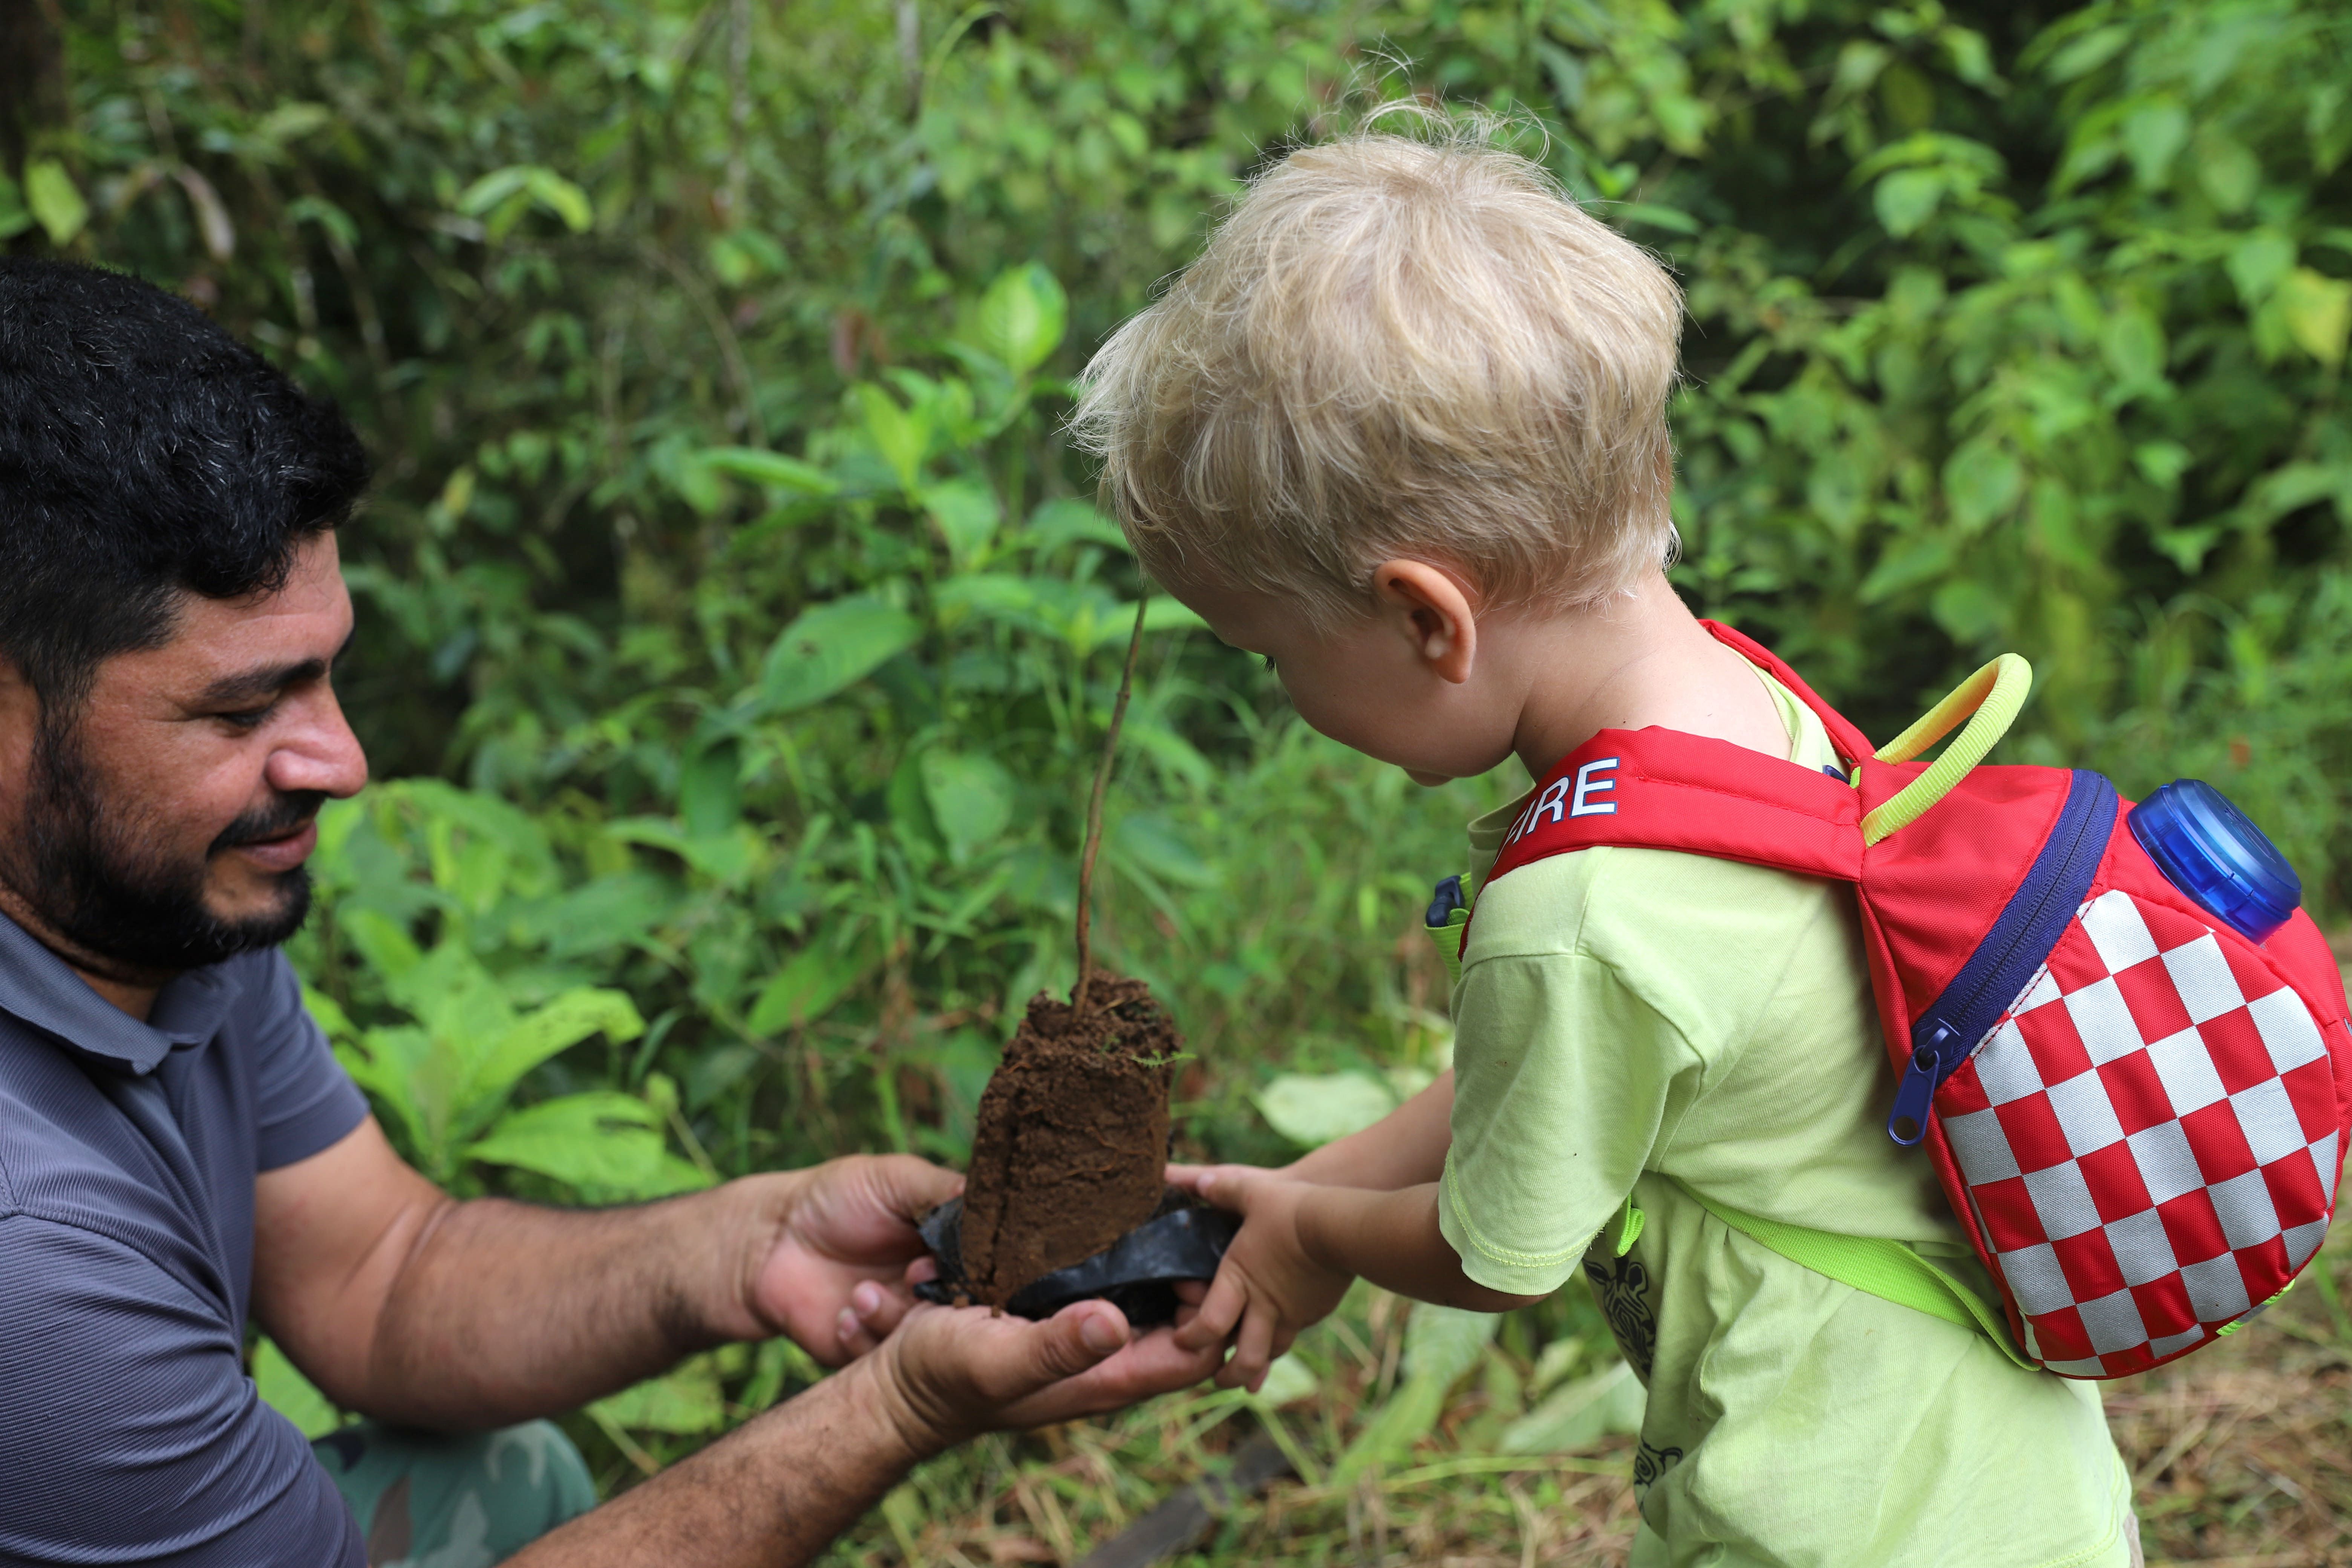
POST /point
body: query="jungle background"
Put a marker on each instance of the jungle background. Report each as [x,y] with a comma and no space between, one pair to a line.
[737,633]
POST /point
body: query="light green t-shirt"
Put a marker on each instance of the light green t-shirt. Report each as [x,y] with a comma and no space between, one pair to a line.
[1625,1016]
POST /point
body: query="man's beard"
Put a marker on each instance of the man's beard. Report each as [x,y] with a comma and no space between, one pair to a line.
[106,888]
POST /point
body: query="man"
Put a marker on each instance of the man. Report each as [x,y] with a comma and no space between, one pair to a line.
[179,1151]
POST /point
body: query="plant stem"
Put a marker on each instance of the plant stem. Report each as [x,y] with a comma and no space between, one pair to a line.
[1094,816]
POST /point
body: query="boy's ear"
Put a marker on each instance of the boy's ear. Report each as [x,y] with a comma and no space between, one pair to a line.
[1432,606]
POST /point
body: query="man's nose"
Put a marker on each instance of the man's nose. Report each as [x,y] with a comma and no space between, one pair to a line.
[320,754]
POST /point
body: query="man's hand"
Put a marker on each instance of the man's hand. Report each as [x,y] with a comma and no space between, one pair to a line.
[1268,1285]
[951,1373]
[832,1268]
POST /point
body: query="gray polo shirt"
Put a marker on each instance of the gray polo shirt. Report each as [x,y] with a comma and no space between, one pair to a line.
[129,1431]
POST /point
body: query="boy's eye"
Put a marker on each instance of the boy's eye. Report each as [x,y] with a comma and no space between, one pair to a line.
[1269,662]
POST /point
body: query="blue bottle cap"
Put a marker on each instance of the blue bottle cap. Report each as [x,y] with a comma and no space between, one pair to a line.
[2207,848]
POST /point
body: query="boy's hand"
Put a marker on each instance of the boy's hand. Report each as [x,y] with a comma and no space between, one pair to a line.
[1267,1283]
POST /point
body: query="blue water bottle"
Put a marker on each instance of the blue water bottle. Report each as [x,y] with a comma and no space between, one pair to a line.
[2207,848]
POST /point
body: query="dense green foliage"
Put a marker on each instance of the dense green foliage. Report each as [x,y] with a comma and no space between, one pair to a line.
[736,623]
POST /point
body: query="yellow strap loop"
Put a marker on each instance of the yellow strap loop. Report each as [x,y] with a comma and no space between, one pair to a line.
[1990,700]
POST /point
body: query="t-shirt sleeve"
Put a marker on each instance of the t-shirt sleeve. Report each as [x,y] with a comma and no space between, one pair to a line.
[128,1432]
[305,1102]
[1564,1082]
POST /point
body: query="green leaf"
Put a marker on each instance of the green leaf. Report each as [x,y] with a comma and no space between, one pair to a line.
[1150,840]
[902,435]
[53,199]
[14,219]
[284,1389]
[1907,199]
[1312,1110]
[1408,1416]
[1288,1380]
[1581,1414]
[968,514]
[776,472]
[560,1024]
[1907,564]
[1674,220]
[1167,614]
[993,596]
[686,1404]
[2259,263]
[971,799]
[1068,522]
[609,1145]
[710,789]
[538,187]
[2133,344]
[1969,610]
[1441,1343]
[2153,136]
[292,122]
[1021,318]
[831,647]
[2318,310]
[2228,170]
[564,199]
[808,986]
[326,214]
[1981,482]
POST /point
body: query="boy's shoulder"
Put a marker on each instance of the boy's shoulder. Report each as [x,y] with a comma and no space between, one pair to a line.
[1633,907]
[1703,943]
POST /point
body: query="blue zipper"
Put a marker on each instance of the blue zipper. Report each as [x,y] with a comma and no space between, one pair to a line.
[2018,944]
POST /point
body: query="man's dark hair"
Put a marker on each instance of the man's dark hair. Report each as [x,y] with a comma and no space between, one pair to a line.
[144,452]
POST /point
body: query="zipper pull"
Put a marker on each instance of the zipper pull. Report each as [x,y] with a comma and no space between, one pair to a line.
[1915,1095]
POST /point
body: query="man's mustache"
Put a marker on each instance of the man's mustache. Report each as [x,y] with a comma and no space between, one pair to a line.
[285,815]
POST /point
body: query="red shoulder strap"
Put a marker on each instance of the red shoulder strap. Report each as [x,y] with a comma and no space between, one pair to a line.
[1663,789]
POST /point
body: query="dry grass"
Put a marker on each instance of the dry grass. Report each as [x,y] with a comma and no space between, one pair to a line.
[2242,1456]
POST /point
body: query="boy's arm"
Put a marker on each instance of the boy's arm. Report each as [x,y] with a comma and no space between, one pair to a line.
[1300,1246]
[1403,1148]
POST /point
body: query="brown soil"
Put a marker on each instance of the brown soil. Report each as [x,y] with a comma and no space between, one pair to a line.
[1071,1140]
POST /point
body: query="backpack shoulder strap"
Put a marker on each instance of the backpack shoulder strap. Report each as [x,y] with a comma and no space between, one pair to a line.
[1886,1269]
[1662,789]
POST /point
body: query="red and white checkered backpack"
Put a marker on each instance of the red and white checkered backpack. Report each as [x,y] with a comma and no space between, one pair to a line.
[2137,1110]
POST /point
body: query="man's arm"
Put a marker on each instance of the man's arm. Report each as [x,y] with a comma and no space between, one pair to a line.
[402,1303]
[774,1493]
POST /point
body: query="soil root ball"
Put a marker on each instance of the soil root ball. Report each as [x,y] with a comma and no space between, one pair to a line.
[1072,1137]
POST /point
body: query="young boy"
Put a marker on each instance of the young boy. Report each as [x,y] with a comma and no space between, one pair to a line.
[1400,429]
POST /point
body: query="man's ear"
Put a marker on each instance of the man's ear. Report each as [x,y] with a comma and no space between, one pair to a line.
[1432,606]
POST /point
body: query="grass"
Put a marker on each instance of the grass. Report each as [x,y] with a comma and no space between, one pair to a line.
[2240,1455]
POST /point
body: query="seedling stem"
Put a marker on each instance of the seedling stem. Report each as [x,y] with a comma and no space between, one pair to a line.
[1094,814]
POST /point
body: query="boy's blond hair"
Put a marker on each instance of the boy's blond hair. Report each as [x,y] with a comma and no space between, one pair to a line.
[1396,346]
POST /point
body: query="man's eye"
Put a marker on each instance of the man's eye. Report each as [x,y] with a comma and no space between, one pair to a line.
[247,718]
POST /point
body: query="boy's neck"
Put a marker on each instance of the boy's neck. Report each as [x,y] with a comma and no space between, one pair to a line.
[1638,660]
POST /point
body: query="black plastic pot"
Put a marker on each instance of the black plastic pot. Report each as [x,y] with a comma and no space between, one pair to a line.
[1138,1273]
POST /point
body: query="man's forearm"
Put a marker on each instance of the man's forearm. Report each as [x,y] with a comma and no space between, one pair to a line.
[501,1312]
[772,1494]
[1392,1238]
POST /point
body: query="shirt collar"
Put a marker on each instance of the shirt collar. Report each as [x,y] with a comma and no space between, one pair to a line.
[38,989]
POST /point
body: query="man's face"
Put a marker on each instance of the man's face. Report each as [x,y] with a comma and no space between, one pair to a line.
[165,823]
